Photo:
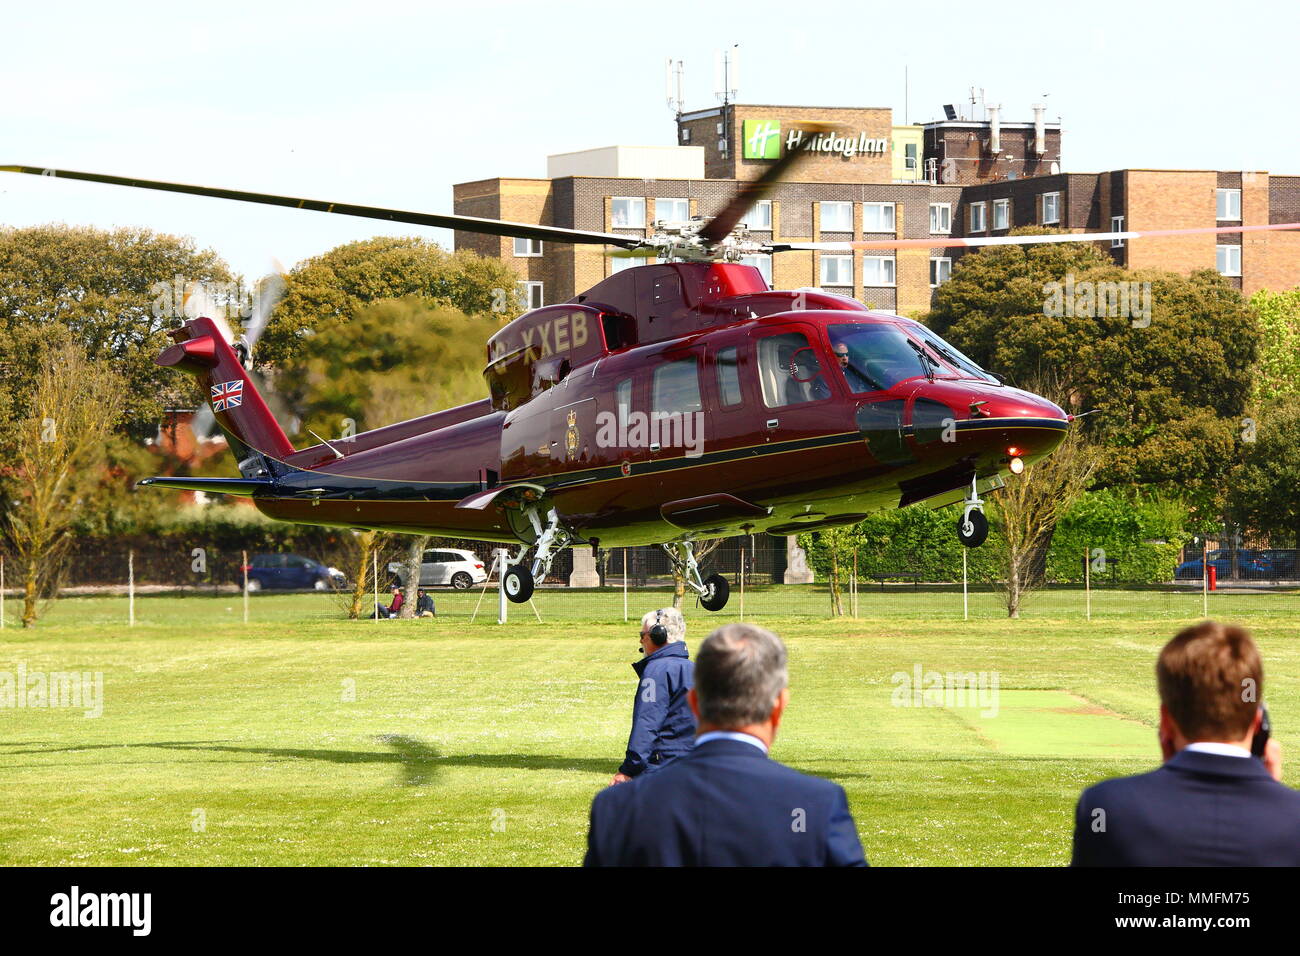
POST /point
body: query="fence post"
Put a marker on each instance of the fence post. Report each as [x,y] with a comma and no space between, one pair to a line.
[625,584]
[374,555]
[2,591]
[854,601]
[1087,585]
[965,595]
[742,584]
[130,587]
[244,568]
[1205,580]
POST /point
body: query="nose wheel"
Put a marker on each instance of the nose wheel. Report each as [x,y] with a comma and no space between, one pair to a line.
[973,527]
[520,578]
[712,591]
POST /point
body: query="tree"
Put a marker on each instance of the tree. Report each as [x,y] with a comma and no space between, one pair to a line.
[328,290]
[58,458]
[395,359]
[415,546]
[1028,510]
[1168,364]
[1266,485]
[1278,375]
[113,294]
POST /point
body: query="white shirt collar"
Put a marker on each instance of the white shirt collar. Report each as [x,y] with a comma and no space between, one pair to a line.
[1223,750]
[731,735]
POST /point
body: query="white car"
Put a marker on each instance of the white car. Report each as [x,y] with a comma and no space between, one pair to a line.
[446,566]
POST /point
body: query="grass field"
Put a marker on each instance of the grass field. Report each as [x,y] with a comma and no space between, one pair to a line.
[302,738]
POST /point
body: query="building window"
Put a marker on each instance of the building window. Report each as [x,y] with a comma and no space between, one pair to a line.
[940,270]
[909,157]
[1227,204]
[627,212]
[619,263]
[837,270]
[836,216]
[940,217]
[760,215]
[672,210]
[528,247]
[1117,225]
[1002,214]
[686,134]
[1228,260]
[762,263]
[877,217]
[877,270]
[977,223]
[1051,208]
[530,295]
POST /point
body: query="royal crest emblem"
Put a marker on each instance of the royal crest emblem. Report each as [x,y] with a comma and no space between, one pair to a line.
[571,436]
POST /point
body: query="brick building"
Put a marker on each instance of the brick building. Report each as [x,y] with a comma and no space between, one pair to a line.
[870,179]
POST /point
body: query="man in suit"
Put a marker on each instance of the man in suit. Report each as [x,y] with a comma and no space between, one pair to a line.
[663,727]
[726,803]
[1212,803]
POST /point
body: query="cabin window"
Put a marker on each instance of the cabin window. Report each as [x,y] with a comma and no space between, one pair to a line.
[932,421]
[677,387]
[790,370]
[727,363]
[623,400]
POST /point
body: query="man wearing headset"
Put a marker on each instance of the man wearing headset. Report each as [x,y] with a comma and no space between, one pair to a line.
[663,727]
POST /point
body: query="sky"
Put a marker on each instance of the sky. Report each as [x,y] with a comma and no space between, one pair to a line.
[390,104]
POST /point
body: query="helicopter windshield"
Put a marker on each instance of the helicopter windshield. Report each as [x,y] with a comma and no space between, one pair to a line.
[873,357]
[950,354]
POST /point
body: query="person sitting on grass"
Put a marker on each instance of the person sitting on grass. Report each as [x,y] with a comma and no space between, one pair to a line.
[392,609]
[424,604]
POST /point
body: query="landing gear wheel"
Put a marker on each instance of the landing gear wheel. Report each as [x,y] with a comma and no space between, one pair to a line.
[518,584]
[716,592]
[461,581]
[973,529]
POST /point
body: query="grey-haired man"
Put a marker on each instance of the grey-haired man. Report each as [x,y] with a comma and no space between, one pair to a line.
[663,727]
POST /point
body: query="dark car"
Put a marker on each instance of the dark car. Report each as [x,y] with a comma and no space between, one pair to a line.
[1250,566]
[292,572]
[1284,562]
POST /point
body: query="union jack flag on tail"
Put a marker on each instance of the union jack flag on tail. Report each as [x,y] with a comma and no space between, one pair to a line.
[227,395]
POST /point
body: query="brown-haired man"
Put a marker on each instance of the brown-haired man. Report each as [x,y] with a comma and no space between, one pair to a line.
[1212,803]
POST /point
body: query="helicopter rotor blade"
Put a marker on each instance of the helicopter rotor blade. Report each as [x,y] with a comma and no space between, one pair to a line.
[949,242]
[721,225]
[491,227]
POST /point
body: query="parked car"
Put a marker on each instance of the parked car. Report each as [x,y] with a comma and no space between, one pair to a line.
[1250,565]
[1284,562]
[291,571]
[446,566]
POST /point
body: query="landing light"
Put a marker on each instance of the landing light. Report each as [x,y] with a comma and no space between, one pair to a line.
[1017,466]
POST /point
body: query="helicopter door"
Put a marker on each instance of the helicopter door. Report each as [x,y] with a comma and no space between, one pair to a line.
[793,384]
[676,426]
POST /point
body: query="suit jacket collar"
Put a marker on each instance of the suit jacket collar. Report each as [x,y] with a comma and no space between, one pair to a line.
[1217,765]
[728,748]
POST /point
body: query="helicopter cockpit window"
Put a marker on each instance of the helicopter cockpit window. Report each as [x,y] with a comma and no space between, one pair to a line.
[873,357]
[790,370]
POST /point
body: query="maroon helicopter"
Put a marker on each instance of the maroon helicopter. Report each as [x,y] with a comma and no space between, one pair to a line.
[667,403]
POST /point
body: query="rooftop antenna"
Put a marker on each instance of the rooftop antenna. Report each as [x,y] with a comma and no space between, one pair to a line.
[726,78]
[673,85]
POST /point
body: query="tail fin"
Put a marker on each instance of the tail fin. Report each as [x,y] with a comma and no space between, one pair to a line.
[240,411]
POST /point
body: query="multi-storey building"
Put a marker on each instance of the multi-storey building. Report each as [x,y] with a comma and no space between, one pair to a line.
[868,178]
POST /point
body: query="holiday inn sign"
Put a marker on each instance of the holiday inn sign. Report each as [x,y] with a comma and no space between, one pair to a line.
[762,139]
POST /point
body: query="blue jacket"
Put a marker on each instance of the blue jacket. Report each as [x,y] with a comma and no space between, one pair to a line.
[1197,809]
[663,726]
[723,804]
